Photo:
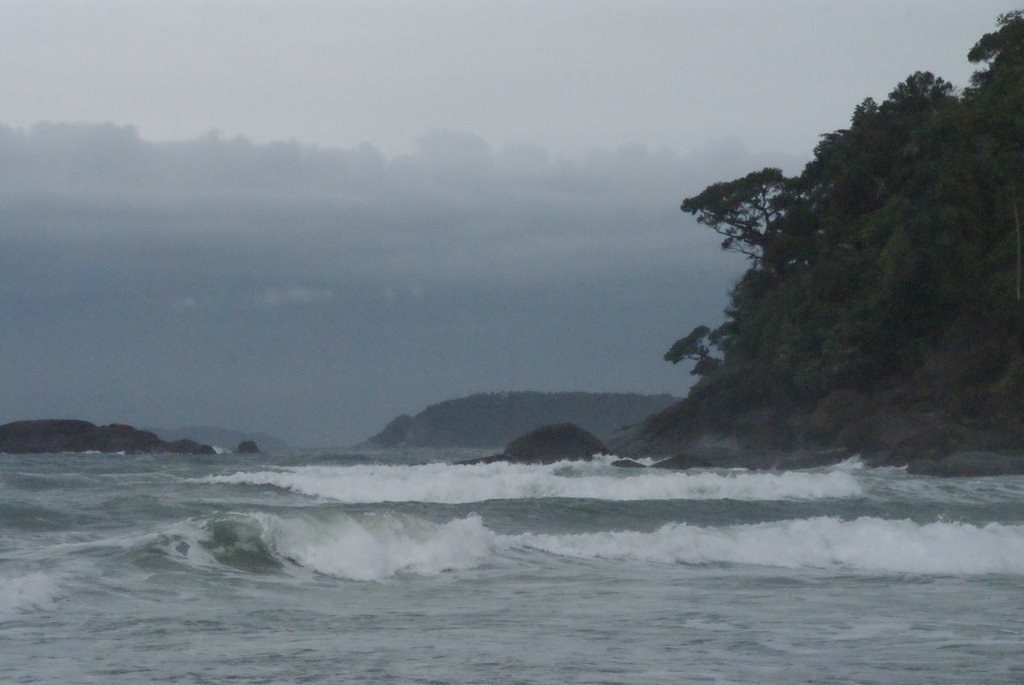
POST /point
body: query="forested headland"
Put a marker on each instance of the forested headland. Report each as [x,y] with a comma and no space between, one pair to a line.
[882,308]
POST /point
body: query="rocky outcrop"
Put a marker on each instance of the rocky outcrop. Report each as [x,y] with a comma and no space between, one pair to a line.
[747,418]
[247,447]
[547,445]
[69,435]
[969,464]
[184,446]
[559,442]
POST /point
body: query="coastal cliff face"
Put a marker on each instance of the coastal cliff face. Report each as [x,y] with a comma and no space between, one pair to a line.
[70,435]
[492,420]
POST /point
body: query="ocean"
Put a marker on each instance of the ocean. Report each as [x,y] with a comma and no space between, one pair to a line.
[399,567]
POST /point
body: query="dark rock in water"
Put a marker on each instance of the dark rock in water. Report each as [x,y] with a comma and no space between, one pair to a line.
[247,447]
[628,464]
[969,464]
[559,442]
[69,435]
[186,447]
[548,444]
[215,435]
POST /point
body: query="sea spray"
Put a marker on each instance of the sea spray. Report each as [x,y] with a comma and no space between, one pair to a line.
[30,592]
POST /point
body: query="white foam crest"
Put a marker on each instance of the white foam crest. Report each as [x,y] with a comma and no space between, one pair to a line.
[854,463]
[868,544]
[376,547]
[33,592]
[450,484]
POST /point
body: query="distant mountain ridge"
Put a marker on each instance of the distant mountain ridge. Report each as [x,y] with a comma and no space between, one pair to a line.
[493,419]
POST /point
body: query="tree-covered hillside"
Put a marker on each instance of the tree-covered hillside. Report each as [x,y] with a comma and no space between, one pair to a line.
[889,269]
[493,419]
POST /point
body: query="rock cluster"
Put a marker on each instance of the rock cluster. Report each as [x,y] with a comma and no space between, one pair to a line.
[70,435]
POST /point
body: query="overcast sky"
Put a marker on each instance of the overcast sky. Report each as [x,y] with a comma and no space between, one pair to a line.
[306,217]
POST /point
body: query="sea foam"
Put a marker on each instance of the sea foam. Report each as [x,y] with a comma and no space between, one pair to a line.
[867,544]
[32,592]
[451,484]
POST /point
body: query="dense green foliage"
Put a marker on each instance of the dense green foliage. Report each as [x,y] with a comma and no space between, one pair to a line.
[899,241]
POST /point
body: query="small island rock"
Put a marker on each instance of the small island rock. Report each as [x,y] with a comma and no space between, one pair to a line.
[247,447]
[547,445]
[186,446]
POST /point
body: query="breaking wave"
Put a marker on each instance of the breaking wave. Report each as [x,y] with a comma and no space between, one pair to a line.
[363,547]
[868,544]
[449,484]
[372,546]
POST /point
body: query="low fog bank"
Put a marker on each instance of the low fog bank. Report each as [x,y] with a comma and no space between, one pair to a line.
[317,292]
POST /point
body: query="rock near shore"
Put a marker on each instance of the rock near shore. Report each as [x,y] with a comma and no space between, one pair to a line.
[547,445]
[969,464]
[71,435]
[749,418]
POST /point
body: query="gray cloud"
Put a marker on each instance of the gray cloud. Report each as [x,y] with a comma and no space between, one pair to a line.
[293,295]
[567,75]
[315,292]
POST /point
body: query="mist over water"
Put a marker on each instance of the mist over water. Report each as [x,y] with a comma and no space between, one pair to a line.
[397,566]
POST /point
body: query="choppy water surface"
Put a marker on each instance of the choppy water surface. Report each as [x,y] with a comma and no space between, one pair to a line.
[396,567]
